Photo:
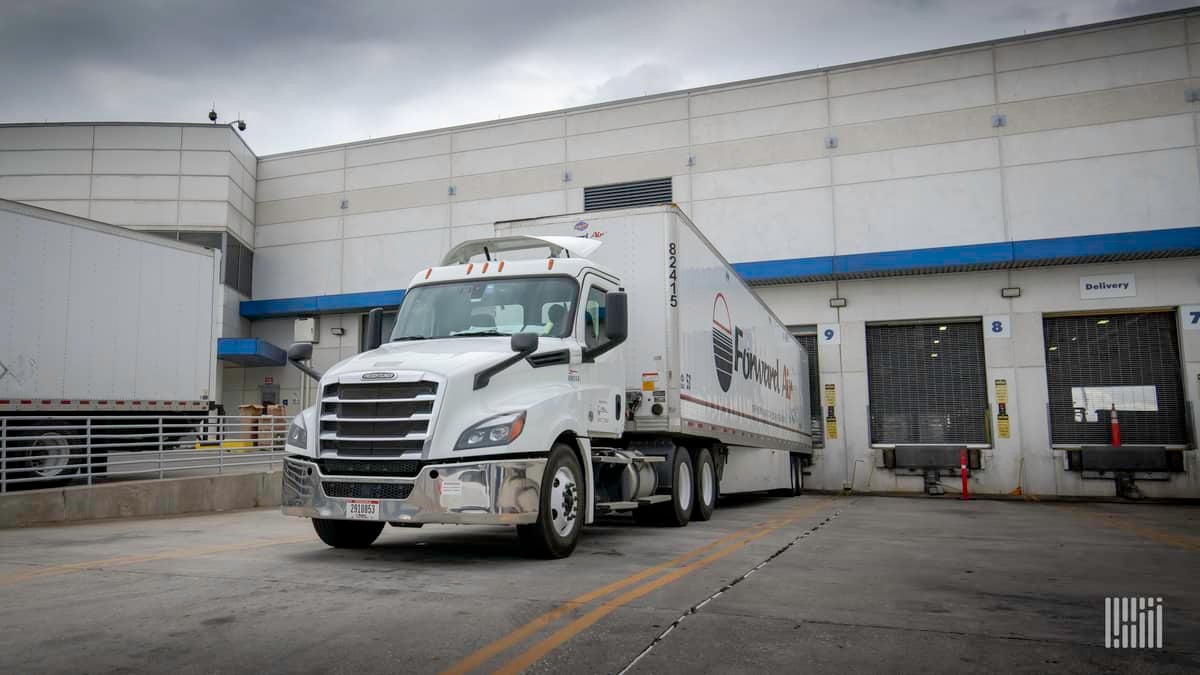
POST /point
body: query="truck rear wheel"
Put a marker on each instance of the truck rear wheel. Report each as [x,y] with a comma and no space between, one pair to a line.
[556,531]
[347,533]
[677,511]
[705,492]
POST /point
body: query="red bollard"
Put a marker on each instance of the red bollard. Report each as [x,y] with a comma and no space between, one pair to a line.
[1116,428]
[962,458]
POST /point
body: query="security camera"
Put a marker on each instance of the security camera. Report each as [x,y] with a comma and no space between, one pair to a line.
[241,125]
[212,115]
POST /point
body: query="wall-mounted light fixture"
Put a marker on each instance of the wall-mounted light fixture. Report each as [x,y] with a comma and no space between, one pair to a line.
[837,302]
[338,331]
[1011,292]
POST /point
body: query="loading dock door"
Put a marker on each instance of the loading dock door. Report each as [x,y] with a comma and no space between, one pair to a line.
[809,342]
[927,383]
[1127,360]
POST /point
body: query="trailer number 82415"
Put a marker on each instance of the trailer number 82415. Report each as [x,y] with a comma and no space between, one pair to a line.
[672,274]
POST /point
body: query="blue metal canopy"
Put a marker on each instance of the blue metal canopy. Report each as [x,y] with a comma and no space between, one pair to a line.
[250,352]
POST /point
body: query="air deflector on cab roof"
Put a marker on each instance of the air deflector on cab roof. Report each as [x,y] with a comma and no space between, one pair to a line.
[576,247]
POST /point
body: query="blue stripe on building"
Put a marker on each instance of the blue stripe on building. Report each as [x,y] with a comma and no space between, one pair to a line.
[1003,255]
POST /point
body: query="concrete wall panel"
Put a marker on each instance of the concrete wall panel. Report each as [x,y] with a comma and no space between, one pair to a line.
[916,100]
[304,231]
[206,163]
[760,151]
[314,162]
[1080,76]
[1090,45]
[772,178]
[630,167]
[135,187]
[75,207]
[949,127]
[392,151]
[927,212]
[389,262]
[301,185]
[399,220]
[150,213]
[402,171]
[217,138]
[1153,133]
[490,136]
[518,181]
[25,188]
[507,208]
[17,163]
[908,73]
[760,122]
[797,224]
[504,158]
[1094,108]
[45,138]
[137,161]
[297,270]
[138,138]
[918,161]
[629,115]
[758,96]
[627,141]
[1108,194]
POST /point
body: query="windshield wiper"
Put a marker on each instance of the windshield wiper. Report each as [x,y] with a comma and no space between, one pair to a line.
[408,337]
[478,333]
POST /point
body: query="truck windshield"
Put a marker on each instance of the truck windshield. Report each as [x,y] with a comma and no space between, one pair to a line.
[541,305]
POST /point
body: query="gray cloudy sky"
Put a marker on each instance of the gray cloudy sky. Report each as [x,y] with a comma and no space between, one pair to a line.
[305,73]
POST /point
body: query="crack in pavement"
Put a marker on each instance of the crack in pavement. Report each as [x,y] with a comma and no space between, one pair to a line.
[698,606]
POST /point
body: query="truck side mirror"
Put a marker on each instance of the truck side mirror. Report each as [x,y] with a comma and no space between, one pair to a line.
[523,343]
[374,328]
[616,324]
[299,352]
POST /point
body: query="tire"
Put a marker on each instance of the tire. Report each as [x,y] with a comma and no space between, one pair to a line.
[560,517]
[347,533]
[40,455]
[677,511]
[705,486]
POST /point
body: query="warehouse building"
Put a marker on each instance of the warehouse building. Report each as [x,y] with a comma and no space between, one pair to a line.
[990,246]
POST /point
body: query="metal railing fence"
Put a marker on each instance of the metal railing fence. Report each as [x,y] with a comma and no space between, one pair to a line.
[51,451]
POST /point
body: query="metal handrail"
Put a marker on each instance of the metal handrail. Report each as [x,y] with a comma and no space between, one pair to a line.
[43,450]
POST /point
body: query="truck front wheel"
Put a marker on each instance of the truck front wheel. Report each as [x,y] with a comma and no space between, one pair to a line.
[347,533]
[559,521]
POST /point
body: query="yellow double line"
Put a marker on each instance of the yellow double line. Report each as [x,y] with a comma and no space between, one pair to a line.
[67,568]
[715,550]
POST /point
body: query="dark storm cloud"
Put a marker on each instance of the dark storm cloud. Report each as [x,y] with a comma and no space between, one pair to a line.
[314,72]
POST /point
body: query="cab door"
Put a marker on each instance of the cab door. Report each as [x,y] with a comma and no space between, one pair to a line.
[602,378]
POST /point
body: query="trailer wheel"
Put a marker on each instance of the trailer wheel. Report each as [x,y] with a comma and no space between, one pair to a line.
[559,521]
[678,510]
[43,457]
[705,492]
[347,533]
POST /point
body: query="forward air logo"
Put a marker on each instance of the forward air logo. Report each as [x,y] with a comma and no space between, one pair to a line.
[722,342]
[730,355]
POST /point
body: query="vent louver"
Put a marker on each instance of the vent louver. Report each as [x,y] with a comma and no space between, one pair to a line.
[624,195]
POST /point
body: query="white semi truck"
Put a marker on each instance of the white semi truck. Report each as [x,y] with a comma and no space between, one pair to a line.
[566,367]
[101,323]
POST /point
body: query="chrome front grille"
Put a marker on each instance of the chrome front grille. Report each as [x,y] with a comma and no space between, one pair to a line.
[376,419]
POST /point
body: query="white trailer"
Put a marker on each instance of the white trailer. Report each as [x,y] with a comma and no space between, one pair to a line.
[100,321]
[563,368]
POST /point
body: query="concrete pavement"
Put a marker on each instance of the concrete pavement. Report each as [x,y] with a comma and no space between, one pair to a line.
[850,584]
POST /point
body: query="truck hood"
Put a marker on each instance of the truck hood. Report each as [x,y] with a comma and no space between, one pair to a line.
[447,356]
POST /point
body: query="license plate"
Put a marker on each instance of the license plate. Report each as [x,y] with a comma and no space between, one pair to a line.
[363,509]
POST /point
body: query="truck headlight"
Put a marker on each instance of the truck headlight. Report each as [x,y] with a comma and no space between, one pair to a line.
[498,430]
[297,434]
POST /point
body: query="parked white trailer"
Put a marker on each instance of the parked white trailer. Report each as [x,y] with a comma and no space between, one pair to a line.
[99,321]
[562,368]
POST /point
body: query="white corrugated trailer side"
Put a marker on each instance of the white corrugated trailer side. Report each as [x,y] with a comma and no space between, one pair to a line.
[102,318]
[702,345]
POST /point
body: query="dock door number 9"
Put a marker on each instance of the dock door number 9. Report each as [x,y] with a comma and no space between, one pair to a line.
[672,274]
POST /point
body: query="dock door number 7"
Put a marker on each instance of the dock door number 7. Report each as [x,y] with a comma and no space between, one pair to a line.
[1191,317]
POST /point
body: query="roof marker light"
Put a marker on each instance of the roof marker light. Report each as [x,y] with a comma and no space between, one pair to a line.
[428,272]
[470,266]
[485,266]
[501,267]
[550,263]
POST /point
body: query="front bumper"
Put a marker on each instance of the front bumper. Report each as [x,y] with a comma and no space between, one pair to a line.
[494,492]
